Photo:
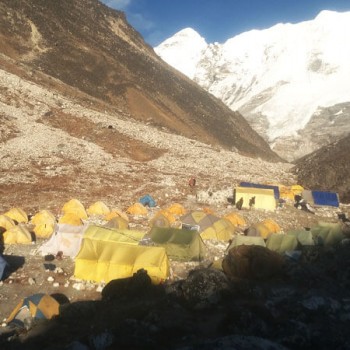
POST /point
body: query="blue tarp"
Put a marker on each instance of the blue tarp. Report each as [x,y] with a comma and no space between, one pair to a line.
[3,265]
[275,189]
[325,198]
[147,200]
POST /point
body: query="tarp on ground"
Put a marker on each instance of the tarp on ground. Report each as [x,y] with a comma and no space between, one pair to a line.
[275,189]
[104,234]
[327,233]
[324,198]
[17,214]
[66,239]
[304,237]
[18,234]
[179,244]
[74,206]
[98,208]
[282,243]
[264,198]
[104,261]
[222,230]
[37,306]
[3,264]
[246,240]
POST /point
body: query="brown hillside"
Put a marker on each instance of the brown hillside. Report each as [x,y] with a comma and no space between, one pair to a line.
[92,48]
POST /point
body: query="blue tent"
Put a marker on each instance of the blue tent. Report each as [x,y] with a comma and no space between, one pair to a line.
[147,200]
[275,189]
[325,198]
[3,265]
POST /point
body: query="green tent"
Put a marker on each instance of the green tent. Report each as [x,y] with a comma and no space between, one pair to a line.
[179,244]
[246,240]
[304,237]
[281,243]
[326,233]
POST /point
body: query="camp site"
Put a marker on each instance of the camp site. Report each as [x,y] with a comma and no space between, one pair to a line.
[81,253]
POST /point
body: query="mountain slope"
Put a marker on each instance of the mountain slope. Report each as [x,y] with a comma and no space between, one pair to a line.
[90,47]
[290,81]
[327,169]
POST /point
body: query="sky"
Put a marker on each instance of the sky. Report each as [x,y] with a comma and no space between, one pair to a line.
[217,20]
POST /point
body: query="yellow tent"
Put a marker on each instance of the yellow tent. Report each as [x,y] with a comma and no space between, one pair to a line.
[98,208]
[18,234]
[115,212]
[71,219]
[162,218]
[137,209]
[272,225]
[44,230]
[235,219]
[6,222]
[288,192]
[105,234]
[104,261]
[221,229]
[74,206]
[176,209]
[43,216]
[264,198]
[17,214]
[118,223]
[200,218]
[259,229]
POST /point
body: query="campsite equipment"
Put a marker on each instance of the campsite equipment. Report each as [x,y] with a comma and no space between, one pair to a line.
[6,222]
[264,198]
[326,233]
[222,230]
[37,306]
[235,219]
[162,218]
[74,206]
[200,218]
[147,201]
[18,215]
[321,198]
[282,243]
[180,244]
[118,223]
[44,222]
[259,230]
[271,225]
[115,212]
[176,209]
[44,230]
[246,240]
[66,239]
[70,219]
[275,189]
[304,237]
[18,234]
[137,209]
[104,261]
[98,208]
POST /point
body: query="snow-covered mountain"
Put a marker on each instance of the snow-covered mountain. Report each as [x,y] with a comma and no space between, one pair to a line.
[291,81]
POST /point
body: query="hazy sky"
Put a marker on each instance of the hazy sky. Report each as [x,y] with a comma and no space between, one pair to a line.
[217,20]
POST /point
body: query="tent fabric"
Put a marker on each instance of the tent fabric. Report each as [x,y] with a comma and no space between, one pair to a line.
[271,225]
[200,218]
[18,234]
[17,214]
[324,198]
[259,230]
[74,206]
[176,209]
[104,234]
[307,195]
[288,192]
[282,243]
[264,198]
[3,264]
[162,219]
[70,219]
[117,223]
[246,240]
[38,306]
[43,217]
[66,239]
[275,189]
[179,244]
[327,234]
[44,230]
[6,222]
[222,230]
[147,201]
[236,219]
[115,212]
[104,261]
[98,208]
[137,209]
[304,237]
